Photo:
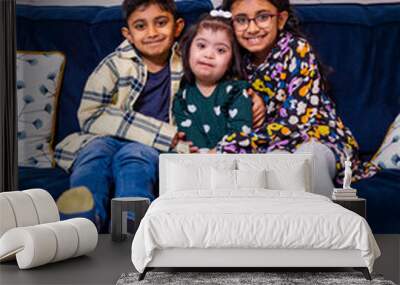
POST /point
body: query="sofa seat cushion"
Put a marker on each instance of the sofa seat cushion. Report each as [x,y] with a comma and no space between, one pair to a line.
[382,192]
[54,180]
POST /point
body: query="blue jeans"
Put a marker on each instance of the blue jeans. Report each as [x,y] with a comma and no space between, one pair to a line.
[131,168]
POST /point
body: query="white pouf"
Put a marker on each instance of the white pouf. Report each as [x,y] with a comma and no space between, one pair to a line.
[7,218]
[40,244]
[23,208]
[31,231]
[45,205]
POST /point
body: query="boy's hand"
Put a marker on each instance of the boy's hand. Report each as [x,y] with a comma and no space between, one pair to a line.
[180,137]
[212,151]
[258,109]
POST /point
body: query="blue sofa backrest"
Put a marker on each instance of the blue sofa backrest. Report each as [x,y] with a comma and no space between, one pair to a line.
[361,43]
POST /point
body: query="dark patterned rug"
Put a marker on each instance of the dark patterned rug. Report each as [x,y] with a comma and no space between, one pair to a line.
[243,278]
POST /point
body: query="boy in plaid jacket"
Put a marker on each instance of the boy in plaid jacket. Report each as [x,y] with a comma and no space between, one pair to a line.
[125,114]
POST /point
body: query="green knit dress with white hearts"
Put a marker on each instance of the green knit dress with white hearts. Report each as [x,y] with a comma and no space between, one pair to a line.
[205,120]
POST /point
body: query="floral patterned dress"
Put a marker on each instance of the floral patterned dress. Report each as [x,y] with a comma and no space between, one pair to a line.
[297,108]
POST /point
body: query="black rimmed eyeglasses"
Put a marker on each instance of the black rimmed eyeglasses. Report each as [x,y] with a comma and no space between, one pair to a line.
[262,20]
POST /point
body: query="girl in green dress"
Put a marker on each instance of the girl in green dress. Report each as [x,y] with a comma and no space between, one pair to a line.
[211,103]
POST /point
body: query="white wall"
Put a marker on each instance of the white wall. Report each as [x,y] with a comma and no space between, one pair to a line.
[216,2]
[71,2]
[343,1]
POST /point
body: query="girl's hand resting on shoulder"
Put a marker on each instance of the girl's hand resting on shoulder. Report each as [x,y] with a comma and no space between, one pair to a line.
[193,148]
[258,108]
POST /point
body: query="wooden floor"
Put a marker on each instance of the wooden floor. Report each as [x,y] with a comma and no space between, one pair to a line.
[102,266]
[389,262]
[110,260]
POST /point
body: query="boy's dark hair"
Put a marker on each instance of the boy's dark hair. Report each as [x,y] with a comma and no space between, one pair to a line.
[293,26]
[235,70]
[130,6]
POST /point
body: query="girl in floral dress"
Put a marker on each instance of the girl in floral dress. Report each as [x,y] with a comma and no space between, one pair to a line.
[283,68]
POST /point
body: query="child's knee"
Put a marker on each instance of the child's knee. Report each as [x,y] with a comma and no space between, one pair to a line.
[137,152]
[98,150]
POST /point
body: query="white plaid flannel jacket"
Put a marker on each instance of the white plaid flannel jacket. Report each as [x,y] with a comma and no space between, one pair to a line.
[107,102]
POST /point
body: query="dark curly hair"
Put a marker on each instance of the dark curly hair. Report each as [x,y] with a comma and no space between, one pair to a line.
[235,70]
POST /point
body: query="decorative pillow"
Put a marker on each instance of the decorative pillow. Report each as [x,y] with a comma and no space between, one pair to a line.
[39,76]
[290,179]
[183,178]
[227,179]
[388,155]
[193,172]
[223,179]
[281,174]
[251,178]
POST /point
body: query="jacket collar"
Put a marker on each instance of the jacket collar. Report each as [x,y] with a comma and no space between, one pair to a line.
[126,50]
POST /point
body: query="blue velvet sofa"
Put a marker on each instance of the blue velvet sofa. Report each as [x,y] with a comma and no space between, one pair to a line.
[360,42]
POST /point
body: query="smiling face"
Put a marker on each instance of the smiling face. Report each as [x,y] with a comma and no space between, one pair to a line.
[152,31]
[256,40]
[210,55]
